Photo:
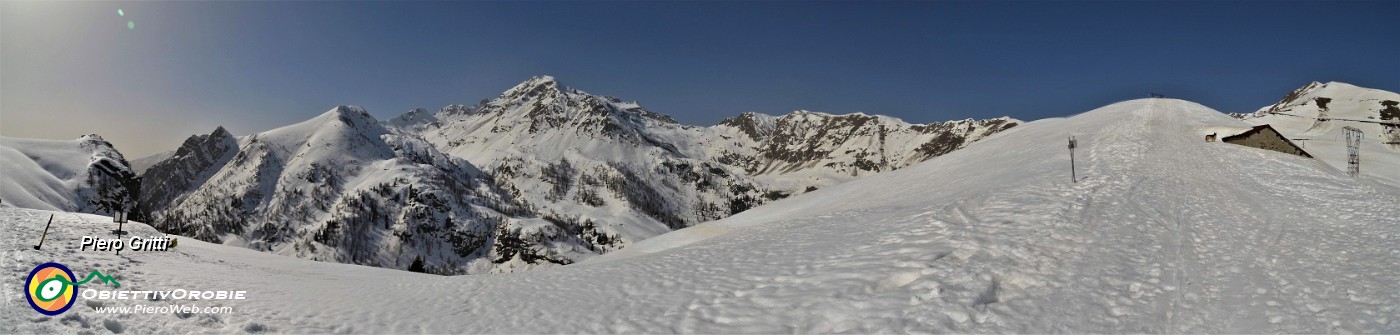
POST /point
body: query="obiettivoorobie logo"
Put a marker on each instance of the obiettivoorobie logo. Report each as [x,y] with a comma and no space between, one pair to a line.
[51,288]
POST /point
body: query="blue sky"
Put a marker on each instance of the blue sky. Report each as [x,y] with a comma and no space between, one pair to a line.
[68,69]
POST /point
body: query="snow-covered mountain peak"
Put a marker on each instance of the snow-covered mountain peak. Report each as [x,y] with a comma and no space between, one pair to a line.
[183,169]
[837,147]
[803,113]
[757,116]
[91,138]
[1314,85]
[1331,88]
[533,87]
[540,80]
[219,132]
[539,112]
[349,115]
[1317,114]
[414,114]
[352,117]
[414,118]
[757,126]
[811,116]
[1000,118]
[543,97]
[1336,84]
[1318,103]
[100,148]
[1312,92]
[453,110]
[1332,85]
[341,127]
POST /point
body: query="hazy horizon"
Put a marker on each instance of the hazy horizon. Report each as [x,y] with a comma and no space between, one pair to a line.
[180,69]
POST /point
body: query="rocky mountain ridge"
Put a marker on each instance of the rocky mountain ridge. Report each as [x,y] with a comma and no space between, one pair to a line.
[541,175]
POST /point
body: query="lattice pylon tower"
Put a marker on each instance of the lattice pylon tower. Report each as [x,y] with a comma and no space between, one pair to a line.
[1353,136]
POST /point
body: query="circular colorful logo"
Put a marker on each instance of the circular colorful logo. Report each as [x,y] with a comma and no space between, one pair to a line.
[49,289]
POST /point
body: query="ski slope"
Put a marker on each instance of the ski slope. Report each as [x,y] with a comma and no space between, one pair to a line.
[1163,233]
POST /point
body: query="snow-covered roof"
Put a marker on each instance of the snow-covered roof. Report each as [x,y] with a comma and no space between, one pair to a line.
[1222,131]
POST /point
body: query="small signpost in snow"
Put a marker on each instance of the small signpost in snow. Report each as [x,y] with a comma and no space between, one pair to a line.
[1072,144]
[119,218]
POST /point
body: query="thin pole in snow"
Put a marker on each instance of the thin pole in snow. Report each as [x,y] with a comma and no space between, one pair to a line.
[1072,144]
[46,233]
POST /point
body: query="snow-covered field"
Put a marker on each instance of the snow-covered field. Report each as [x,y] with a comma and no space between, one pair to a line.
[1163,233]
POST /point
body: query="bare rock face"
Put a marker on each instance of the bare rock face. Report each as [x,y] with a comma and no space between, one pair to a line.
[185,169]
[113,185]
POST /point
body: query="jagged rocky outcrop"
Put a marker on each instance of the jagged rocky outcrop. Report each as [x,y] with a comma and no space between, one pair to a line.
[188,167]
[805,142]
[85,175]
[111,183]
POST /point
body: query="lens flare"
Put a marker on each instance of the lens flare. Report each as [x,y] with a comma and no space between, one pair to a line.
[120,13]
[130,25]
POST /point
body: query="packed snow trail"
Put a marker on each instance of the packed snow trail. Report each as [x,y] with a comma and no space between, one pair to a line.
[1164,233]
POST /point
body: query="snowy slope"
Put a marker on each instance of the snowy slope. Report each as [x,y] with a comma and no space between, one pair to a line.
[64,175]
[1163,233]
[1314,116]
